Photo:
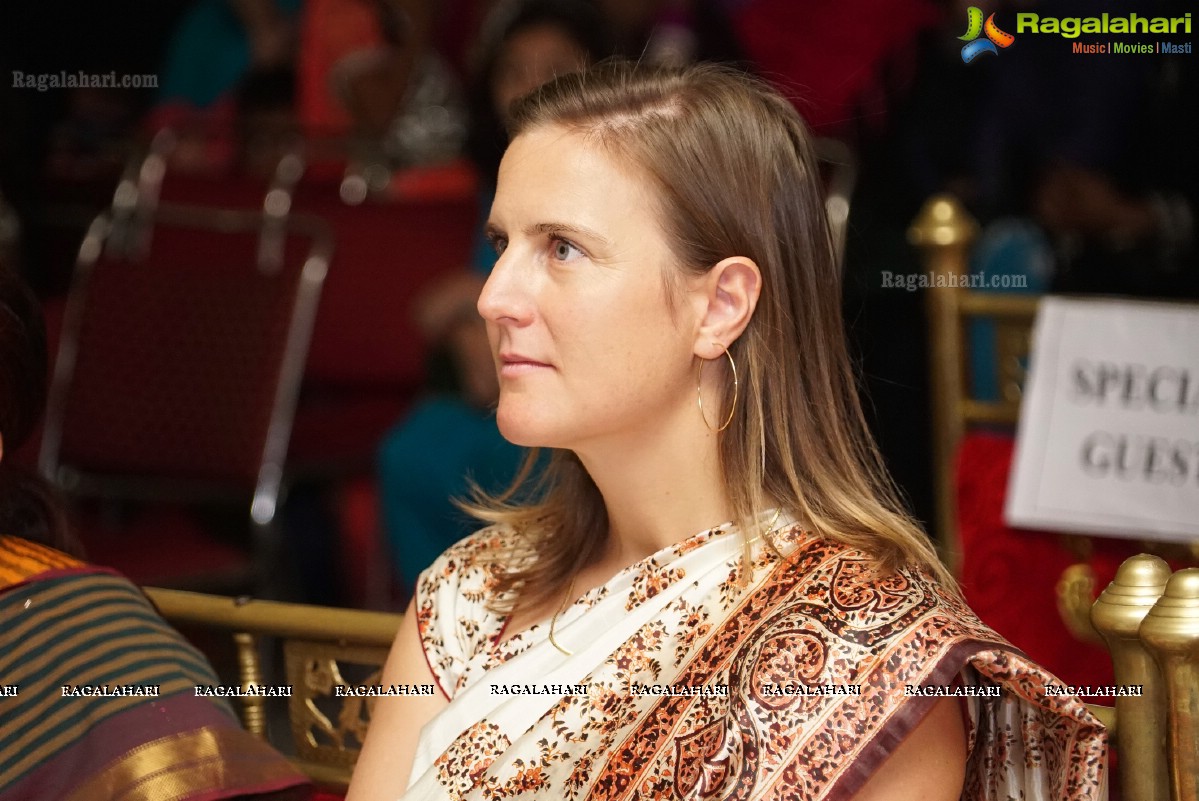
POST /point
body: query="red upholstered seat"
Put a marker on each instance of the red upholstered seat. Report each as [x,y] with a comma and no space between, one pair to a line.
[178,361]
[366,360]
[1009,575]
[387,253]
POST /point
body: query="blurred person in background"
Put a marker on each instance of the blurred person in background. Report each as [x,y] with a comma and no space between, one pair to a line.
[215,46]
[672,33]
[450,438]
[399,97]
[1096,151]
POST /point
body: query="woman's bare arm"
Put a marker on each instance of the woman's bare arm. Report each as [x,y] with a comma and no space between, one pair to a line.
[929,765]
[396,721]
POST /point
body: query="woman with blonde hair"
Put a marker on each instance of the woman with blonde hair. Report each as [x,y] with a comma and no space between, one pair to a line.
[665,316]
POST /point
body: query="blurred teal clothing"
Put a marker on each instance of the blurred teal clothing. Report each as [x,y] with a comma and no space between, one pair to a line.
[424,462]
[210,52]
[426,459]
[1017,249]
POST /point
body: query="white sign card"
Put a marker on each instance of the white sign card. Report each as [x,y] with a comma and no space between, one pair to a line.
[1109,424]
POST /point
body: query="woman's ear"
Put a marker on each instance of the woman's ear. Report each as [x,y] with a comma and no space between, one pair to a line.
[730,291]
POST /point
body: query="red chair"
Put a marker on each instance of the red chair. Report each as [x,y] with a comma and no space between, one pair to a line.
[174,390]
[367,359]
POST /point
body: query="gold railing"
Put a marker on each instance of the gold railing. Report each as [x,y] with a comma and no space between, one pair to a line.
[323,648]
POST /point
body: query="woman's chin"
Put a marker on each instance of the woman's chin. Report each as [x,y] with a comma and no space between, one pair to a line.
[520,430]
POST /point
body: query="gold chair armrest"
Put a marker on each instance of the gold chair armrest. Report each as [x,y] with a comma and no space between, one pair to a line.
[323,648]
[1075,595]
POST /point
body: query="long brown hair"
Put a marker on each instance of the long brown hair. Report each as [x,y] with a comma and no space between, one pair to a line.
[736,175]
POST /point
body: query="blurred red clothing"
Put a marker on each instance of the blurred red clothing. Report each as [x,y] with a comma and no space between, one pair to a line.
[835,60]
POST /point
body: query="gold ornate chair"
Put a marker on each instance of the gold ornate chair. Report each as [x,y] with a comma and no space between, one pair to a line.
[323,648]
[1148,619]
[944,231]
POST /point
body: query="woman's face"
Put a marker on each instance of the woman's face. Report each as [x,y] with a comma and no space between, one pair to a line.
[530,57]
[586,346]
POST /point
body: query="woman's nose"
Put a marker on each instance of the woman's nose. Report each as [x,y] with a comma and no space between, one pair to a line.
[505,298]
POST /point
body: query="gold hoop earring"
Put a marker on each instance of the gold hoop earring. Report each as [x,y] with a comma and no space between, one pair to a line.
[699,394]
[554,620]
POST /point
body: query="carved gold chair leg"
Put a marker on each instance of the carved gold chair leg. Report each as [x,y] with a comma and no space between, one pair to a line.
[253,707]
[1171,634]
[1117,616]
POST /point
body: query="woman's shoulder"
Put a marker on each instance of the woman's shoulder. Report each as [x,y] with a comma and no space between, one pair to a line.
[463,583]
[853,586]
[455,615]
[474,561]
[863,622]
[24,560]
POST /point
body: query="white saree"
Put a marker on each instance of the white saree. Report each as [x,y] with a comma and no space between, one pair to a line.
[685,684]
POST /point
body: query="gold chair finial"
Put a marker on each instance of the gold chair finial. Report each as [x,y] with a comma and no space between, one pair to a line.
[1117,616]
[943,222]
[1171,633]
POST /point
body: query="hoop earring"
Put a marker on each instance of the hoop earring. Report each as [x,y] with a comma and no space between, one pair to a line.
[699,394]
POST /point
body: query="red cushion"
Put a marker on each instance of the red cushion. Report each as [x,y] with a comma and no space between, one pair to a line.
[385,253]
[1009,575]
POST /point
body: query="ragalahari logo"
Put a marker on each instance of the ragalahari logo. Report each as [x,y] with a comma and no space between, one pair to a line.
[974,27]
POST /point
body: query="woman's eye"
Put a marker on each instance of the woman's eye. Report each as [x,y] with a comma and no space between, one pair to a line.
[500,243]
[565,251]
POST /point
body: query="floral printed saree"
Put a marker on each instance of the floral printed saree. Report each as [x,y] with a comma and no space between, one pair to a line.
[687,682]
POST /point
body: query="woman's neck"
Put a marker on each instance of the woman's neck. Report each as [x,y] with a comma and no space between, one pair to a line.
[658,491]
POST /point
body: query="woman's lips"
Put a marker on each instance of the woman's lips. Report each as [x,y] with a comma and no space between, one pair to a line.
[512,365]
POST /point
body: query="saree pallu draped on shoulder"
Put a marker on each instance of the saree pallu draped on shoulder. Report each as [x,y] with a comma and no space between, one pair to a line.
[99,696]
[688,683]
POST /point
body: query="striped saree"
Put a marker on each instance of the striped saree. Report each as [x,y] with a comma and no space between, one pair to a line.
[98,700]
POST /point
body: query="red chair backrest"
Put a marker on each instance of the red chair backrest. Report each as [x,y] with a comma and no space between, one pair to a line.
[387,252]
[175,364]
